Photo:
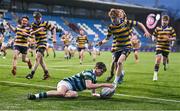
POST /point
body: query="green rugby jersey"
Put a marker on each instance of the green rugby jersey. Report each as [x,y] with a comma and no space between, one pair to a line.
[78,80]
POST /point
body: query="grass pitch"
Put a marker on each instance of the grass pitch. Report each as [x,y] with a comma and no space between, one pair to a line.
[137,92]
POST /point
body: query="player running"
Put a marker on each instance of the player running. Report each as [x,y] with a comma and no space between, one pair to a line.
[121,46]
[21,42]
[81,41]
[163,35]
[40,28]
[66,38]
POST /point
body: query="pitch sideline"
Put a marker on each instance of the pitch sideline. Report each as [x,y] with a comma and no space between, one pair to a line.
[124,95]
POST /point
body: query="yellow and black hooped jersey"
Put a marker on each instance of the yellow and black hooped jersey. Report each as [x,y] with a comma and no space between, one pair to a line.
[81,40]
[121,35]
[41,36]
[66,39]
[162,36]
[20,38]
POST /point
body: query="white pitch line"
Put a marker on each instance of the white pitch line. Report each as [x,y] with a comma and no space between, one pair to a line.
[27,67]
[143,97]
[124,95]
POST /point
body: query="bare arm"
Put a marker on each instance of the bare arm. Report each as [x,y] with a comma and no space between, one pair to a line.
[90,85]
[11,27]
[54,34]
[146,33]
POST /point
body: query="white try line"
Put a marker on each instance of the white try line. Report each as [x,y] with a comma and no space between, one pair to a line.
[124,95]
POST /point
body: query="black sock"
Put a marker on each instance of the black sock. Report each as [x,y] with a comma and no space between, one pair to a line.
[46,72]
[32,72]
[156,67]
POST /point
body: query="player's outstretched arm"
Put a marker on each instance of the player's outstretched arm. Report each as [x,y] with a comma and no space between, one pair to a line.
[11,27]
[146,33]
[90,85]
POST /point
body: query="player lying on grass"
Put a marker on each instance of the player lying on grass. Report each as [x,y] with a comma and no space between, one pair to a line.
[68,87]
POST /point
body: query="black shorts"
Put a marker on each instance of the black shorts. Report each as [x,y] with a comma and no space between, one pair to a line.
[79,49]
[31,47]
[41,50]
[117,54]
[164,53]
[21,49]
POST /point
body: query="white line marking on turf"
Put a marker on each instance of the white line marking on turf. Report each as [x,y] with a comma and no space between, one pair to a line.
[124,95]
[27,67]
[143,97]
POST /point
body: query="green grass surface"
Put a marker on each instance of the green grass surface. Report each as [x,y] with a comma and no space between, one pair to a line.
[161,95]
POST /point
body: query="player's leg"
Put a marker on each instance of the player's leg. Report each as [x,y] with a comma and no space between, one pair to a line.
[66,56]
[47,51]
[157,63]
[14,63]
[81,56]
[36,64]
[119,75]
[113,68]
[136,56]
[43,65]
[94,54]
[3,49]
[24,57]
[165,59]
[63,90]
[54,52]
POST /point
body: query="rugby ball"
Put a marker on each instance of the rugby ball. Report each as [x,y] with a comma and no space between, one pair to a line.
[107,93]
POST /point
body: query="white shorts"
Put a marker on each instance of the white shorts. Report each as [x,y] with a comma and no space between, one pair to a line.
[4,44]
[86,46]
[64,83]
[71,47]
[96,49]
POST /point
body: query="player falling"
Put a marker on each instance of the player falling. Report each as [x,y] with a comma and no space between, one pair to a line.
[163,35]
[121,46]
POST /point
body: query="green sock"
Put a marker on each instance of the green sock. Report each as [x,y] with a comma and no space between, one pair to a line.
[41,95]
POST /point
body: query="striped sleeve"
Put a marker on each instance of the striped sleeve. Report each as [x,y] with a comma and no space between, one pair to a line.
[132,23]
[109,34]
[173,33]
[155,33]
[49,26]
[88,76]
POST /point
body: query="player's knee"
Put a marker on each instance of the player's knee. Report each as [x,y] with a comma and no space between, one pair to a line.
[15,57]
[119,63]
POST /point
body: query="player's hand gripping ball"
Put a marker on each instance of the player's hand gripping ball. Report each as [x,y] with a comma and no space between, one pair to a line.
[107,93]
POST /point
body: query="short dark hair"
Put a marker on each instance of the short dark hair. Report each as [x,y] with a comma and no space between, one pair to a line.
[37,14]
[165,17]
[26,17]
[101,65]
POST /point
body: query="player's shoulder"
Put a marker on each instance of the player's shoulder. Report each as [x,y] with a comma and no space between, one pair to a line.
[88,72]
